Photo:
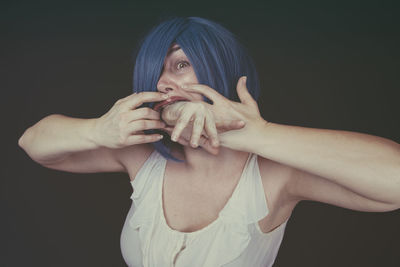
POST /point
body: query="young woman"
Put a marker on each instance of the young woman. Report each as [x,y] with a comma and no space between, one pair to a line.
[221,189]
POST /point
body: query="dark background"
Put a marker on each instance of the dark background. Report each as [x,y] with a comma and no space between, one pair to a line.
[325,65]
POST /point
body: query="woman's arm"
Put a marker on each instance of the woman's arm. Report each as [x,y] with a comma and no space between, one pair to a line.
[364,164]
[93,145]
[56,136]
[67,144]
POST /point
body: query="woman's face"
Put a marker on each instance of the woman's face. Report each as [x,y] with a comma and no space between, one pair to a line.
[177,71]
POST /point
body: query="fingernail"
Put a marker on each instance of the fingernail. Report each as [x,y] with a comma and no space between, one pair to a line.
[184,86]
[173,138]
[194,144]
[160,137]
[245,79]
[165,96]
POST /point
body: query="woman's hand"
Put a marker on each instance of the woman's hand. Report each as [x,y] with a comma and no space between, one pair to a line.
[224,109]
[184,139]
[195,123]
[124,123]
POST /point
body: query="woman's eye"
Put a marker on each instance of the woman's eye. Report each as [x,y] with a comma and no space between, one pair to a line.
[182,64]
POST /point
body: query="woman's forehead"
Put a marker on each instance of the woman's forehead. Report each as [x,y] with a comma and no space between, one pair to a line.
[175,51]
[173,48]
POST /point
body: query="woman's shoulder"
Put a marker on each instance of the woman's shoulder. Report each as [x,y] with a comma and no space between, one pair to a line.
[133,158]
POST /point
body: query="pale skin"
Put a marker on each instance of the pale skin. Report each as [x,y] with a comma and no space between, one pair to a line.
[347,169]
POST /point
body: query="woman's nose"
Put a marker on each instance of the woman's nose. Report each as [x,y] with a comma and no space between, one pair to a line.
[165,85]
[164,88]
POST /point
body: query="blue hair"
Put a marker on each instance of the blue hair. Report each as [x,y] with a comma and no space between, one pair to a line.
[217,57]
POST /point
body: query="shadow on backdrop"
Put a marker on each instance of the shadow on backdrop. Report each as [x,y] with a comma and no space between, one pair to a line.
[329,66]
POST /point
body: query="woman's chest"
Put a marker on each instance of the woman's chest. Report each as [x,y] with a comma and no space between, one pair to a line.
[189,207]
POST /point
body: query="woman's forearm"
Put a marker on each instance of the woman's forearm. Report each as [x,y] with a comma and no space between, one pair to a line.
[56,136]
[366,164]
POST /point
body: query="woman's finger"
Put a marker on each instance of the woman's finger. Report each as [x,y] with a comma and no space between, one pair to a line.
[181,125]
[205,144]
[183,141]
[244,95]
[198,126]
[141,125]
[211,130]
[224,126]
[135,100]
[208,92]
[142,113]
[168,129]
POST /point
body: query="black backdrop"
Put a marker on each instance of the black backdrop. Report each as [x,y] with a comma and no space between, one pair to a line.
[331,65]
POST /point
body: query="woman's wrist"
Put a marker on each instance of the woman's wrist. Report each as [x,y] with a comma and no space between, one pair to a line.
[250,138]
[260,136]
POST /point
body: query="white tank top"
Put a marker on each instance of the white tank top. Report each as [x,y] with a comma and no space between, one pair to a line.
[234,239]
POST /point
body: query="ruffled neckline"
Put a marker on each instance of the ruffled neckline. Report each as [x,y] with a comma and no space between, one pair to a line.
[230,235]
[214,222]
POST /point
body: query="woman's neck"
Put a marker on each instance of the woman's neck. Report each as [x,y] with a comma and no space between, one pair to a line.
[200,161]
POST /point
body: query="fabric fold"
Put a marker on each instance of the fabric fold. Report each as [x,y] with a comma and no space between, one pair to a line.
[220,244]
[144,189]
[248,203]
[146,176]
